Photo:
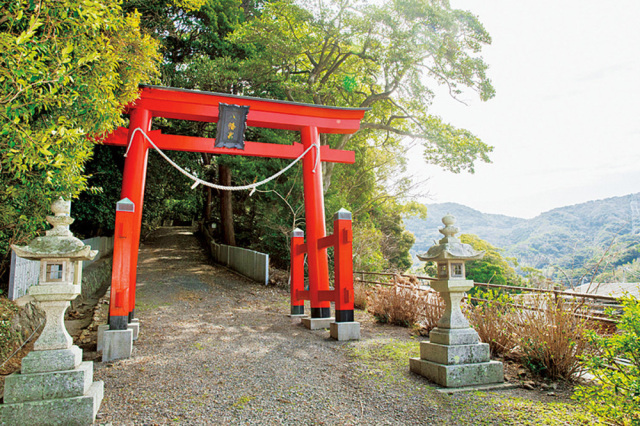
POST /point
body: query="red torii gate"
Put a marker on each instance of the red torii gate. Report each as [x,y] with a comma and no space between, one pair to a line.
[310,120]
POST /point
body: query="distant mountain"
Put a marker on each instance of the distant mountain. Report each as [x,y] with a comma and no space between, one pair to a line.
[560,236]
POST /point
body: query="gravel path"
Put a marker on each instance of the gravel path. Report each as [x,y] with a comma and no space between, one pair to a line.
[216,348]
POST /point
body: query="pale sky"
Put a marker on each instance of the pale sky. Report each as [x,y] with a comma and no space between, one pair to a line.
[565,122]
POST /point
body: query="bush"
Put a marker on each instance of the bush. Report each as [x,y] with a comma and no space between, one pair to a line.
[395,305]
[360,295]
[616,395]
[404,303]
[433,309]
[546,335]
[551,337]
[492,316]
[68,68]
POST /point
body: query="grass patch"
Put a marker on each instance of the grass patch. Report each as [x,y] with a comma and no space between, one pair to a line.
[390,351]
[384,361]
[144,307]
[243,401]
[497,408]
[517,411]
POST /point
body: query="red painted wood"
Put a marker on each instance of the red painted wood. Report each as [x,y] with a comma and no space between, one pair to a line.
[342,294]
[302,249]
[203,106]
[318,265]
[328,241]
[343,265]
[120,276]
[296,278]
[327,295]
[133,184]
[303,294]
[252,149]
[310,120]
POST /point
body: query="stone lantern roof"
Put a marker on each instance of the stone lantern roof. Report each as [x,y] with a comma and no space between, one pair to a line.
[450,247]
[58,242]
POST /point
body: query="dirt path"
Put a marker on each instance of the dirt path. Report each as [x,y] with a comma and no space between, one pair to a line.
[216,348]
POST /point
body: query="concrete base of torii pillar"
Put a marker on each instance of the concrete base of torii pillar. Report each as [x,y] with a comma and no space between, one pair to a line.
[117,344]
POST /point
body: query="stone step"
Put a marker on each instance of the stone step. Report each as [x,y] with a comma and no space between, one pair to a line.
[20,387]
[452,355]
[454,376]
[79,410]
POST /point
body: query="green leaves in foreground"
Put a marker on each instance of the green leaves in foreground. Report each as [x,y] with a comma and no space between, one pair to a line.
[616,365]
[67,68]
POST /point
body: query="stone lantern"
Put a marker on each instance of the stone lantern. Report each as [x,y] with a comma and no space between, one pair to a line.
[54,384]
[454,356]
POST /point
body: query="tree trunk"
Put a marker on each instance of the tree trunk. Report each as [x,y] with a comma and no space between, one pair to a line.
[206,160]
[207,204]
[327,168]
[226,207]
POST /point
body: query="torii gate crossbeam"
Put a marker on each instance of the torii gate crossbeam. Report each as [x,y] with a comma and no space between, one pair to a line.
[309,120]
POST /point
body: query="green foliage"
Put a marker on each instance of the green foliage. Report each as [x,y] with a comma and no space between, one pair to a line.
[66,70]
[389,53]
[94,211]
[492,268]
[168,196]
[615,397]
[328,54]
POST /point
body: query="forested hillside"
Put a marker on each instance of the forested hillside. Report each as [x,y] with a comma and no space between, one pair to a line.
[567,236]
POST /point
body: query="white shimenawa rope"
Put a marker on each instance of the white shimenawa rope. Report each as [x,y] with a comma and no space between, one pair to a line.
[197,181]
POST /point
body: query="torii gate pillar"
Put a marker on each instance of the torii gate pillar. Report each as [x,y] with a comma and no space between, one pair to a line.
[133,185]
[314,215]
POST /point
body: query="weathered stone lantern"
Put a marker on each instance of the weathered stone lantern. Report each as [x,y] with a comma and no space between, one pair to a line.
[454,356]
[54,384]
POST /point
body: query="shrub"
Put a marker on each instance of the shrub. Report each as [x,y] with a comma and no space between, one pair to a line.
[616,395]
[404,303]
[395,305]
[551,336]
[432,311]
[360,295]
[68,68]
[492,316]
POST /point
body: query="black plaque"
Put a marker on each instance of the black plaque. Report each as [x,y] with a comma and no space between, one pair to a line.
[232,123]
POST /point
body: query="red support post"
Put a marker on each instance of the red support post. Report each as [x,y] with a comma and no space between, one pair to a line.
[133,184]
[314,216]
[296,278]
[120,278]
[343,266]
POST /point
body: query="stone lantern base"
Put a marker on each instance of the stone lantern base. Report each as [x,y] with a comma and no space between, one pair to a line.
[53,387]
[456,358]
